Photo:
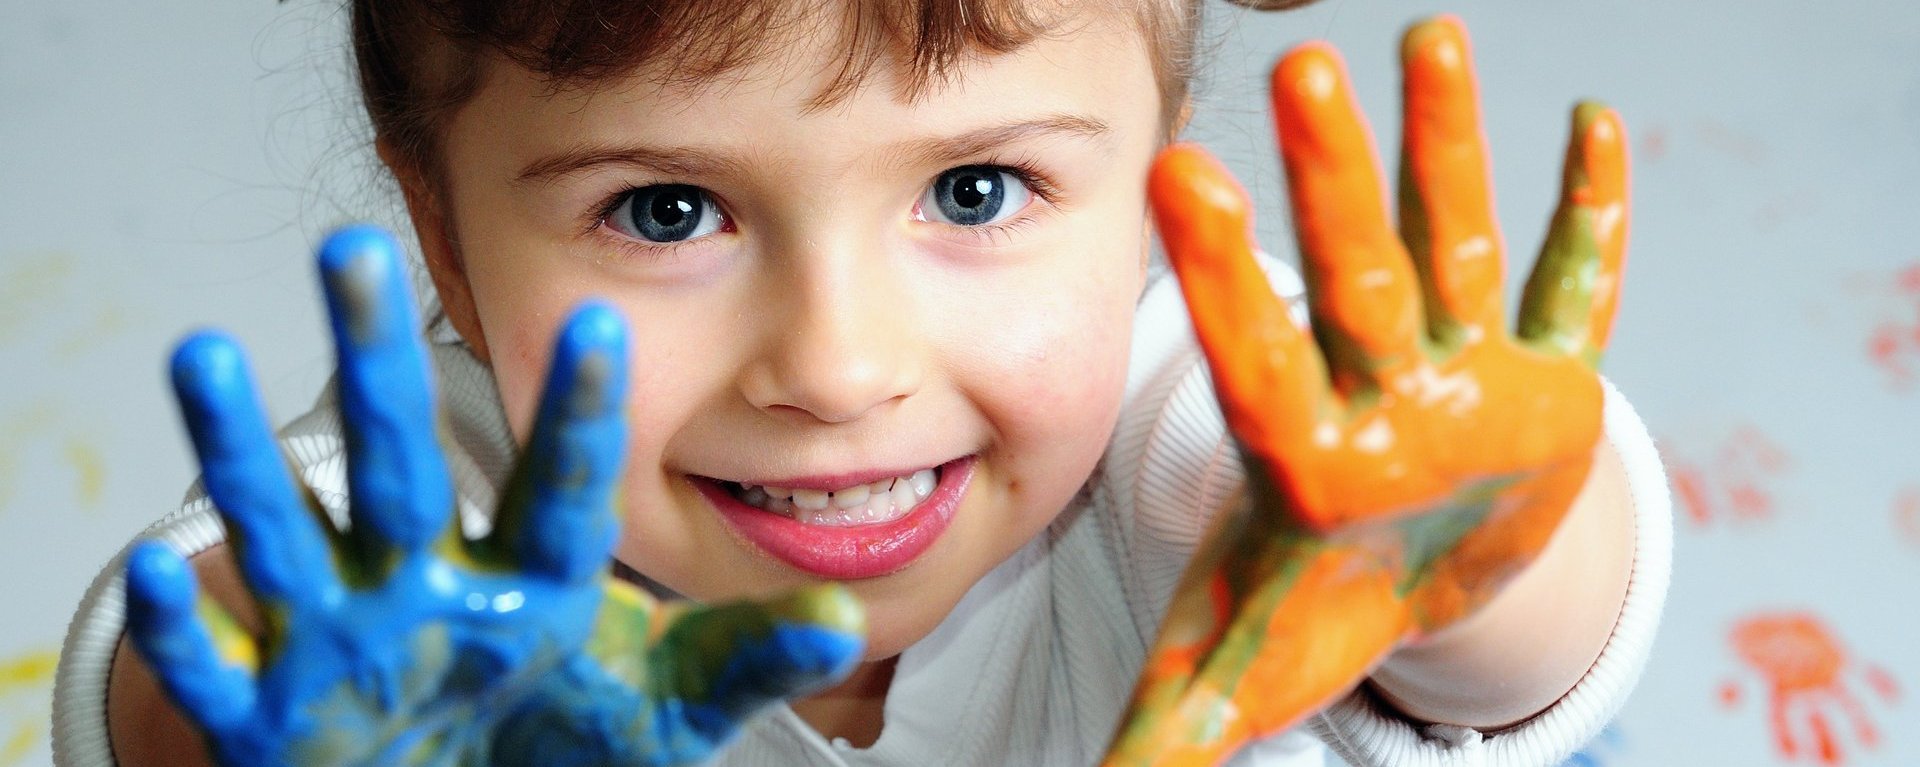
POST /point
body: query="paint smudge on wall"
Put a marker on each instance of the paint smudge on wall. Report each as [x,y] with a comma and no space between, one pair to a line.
[1733,482]
[1653,145]
[44,430]
[1906,515]
[1808,683]
[1606,746]
[26,689]
[1893,343]
[29,282]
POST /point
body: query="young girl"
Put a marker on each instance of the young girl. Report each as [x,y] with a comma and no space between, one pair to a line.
[889,323]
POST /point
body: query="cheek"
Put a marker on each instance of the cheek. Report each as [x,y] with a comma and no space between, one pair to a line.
[1047,368]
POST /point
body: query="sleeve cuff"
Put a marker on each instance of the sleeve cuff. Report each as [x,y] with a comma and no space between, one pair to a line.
[1366,731]
[86,658]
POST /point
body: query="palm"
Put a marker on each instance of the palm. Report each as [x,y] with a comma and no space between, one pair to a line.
[1410,454]
[399,641]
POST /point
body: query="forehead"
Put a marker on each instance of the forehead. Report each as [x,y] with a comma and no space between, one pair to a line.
[1095,66]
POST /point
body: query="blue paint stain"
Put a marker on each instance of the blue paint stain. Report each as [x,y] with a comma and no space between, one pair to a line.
[1604,747]
[429,660]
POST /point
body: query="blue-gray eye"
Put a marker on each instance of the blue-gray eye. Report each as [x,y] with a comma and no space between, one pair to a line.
[972,195]
[666,213]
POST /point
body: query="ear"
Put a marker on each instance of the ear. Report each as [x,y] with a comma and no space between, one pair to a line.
[432,224]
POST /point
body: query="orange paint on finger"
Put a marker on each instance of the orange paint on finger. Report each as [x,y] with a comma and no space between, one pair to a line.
[1359,278]
[1205,220]
[1449,219]
[1603,142]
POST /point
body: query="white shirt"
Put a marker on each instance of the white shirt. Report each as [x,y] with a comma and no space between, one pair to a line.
[1033,665]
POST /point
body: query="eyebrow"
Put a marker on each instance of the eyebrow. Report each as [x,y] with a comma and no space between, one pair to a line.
[692,162]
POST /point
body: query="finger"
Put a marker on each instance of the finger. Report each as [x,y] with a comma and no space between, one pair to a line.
[557,517]
[396,475]
[1360,283]
[730,661]
[1571,296]
[1266,371]
[209,679]
[1446,205]
[1294,631]
[278,540]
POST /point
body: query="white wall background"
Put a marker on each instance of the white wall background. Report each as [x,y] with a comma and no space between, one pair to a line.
[167,165]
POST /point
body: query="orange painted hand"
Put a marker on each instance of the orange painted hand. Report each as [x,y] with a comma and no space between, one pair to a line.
[1413,453]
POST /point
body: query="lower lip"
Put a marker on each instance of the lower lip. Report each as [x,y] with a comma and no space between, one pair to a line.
[847,553]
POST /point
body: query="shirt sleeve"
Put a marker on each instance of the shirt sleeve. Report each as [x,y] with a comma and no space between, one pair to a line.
[1367,731]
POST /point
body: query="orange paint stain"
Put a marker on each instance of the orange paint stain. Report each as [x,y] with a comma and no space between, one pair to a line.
[1906,515]
[1804,670]
[1733,483]
[1893,342]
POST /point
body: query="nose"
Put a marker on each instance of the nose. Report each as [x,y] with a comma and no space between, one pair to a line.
[839,340]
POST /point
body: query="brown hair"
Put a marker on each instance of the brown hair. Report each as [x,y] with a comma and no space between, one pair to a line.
[419,59]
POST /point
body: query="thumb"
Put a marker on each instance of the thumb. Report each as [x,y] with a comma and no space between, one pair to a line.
[725,663]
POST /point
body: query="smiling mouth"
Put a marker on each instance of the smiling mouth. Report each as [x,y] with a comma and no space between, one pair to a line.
[872,503]
[836,533]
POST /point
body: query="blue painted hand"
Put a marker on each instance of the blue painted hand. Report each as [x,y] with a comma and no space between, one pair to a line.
[397,640]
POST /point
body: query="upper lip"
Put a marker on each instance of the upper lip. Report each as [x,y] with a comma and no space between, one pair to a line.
[833,480]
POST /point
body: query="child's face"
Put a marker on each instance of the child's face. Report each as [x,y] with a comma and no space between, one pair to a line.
[832,324]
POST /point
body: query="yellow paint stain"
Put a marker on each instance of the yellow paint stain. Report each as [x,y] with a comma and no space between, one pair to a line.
[230,640]
[30,673]
[25,737]
[90,472]
[30,284]
[34,668]
[105,324]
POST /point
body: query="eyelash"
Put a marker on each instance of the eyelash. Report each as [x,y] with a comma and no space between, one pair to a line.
[1043,189]
[1022,168]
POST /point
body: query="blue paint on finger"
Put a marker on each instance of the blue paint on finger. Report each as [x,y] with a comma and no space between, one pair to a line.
[792,659]
[574,457]
[165,630]
[281,552]
[398,479]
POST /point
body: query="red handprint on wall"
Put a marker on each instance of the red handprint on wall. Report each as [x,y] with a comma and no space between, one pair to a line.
[1805,672]
[1906,515]
[1734,482]
[1894,344]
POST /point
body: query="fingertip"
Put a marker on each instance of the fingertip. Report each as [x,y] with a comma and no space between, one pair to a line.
[1309,74]
[590,360]
[207,359]
[832,606]
[1439,39]
[158,578]
[1185,174]
[595,325]
[351,245]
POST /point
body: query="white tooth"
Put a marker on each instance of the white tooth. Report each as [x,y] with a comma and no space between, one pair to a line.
[881,507]
[851,497]
[922,482]
[903,497]
[755,496]
[880,487]
[843,516]
[778,492]
[811,500]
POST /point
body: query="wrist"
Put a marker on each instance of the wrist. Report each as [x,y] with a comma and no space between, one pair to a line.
[1537,638]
